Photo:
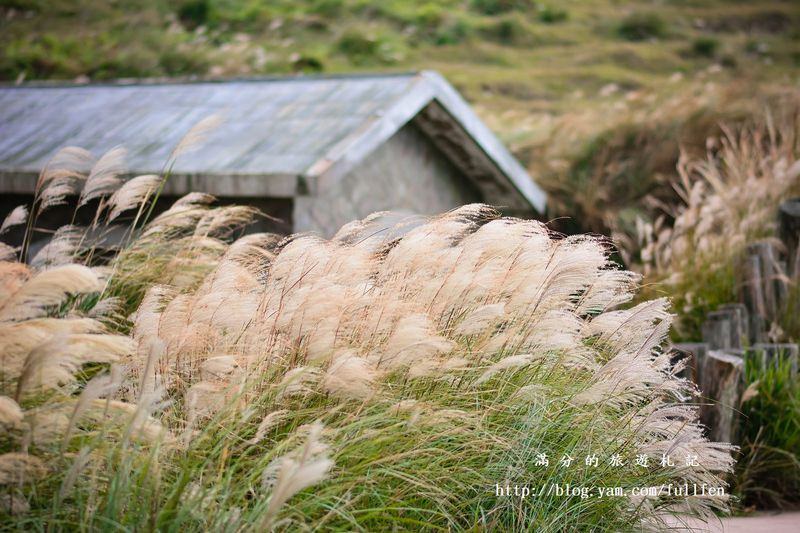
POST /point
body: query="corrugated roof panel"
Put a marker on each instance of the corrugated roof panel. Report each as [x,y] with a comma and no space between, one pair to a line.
[269,126]
[285,126]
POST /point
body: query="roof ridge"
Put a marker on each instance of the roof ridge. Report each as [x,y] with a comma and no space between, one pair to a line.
[198,80]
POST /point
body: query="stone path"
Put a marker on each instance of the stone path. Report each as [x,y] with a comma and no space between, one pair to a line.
[763,523]
[757,523]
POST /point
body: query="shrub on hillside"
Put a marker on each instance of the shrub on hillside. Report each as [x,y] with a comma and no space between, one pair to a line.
[454,30]
[194,13]
[327,8]
[642,26]
[361,49]
[507,30]
[497,7]
[551,15]
[705,46]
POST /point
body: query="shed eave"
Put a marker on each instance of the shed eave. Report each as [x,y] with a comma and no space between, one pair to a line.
[234,185]
[426,88]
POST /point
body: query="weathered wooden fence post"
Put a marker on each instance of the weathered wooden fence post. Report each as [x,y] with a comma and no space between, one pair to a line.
[773,353]
[789,233]
[722,386]
[736,330]
[694,353]
[727,328]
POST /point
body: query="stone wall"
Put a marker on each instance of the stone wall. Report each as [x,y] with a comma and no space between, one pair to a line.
[406,174]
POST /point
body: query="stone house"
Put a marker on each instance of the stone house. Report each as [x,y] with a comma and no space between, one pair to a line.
[315,152]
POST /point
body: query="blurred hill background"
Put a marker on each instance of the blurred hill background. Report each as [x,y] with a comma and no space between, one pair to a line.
[596,97]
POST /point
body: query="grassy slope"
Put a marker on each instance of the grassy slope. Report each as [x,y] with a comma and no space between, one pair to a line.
[563,83]
[508,56]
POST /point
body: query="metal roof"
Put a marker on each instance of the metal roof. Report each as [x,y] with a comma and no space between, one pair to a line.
[284,128]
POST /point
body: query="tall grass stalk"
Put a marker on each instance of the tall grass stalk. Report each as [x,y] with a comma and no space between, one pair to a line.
[730,198]
[768,470]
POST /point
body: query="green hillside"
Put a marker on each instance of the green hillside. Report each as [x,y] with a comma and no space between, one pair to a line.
[595,96]
[505,54]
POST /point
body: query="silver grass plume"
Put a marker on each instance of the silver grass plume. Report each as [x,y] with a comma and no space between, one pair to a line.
[104,178]
[132,194]
[18,216]
[467,301]
[46,289]
[63,176]
[295,472]
[196,135]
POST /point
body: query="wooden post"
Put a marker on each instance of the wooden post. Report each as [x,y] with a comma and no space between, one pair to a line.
[726,328]
[772,353]
[753,297]
[789,232]
[695,352]
[765,287]
[769,270]
[722,388]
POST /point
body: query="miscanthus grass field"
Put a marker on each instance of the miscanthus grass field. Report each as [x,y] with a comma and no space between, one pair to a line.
[390,378]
